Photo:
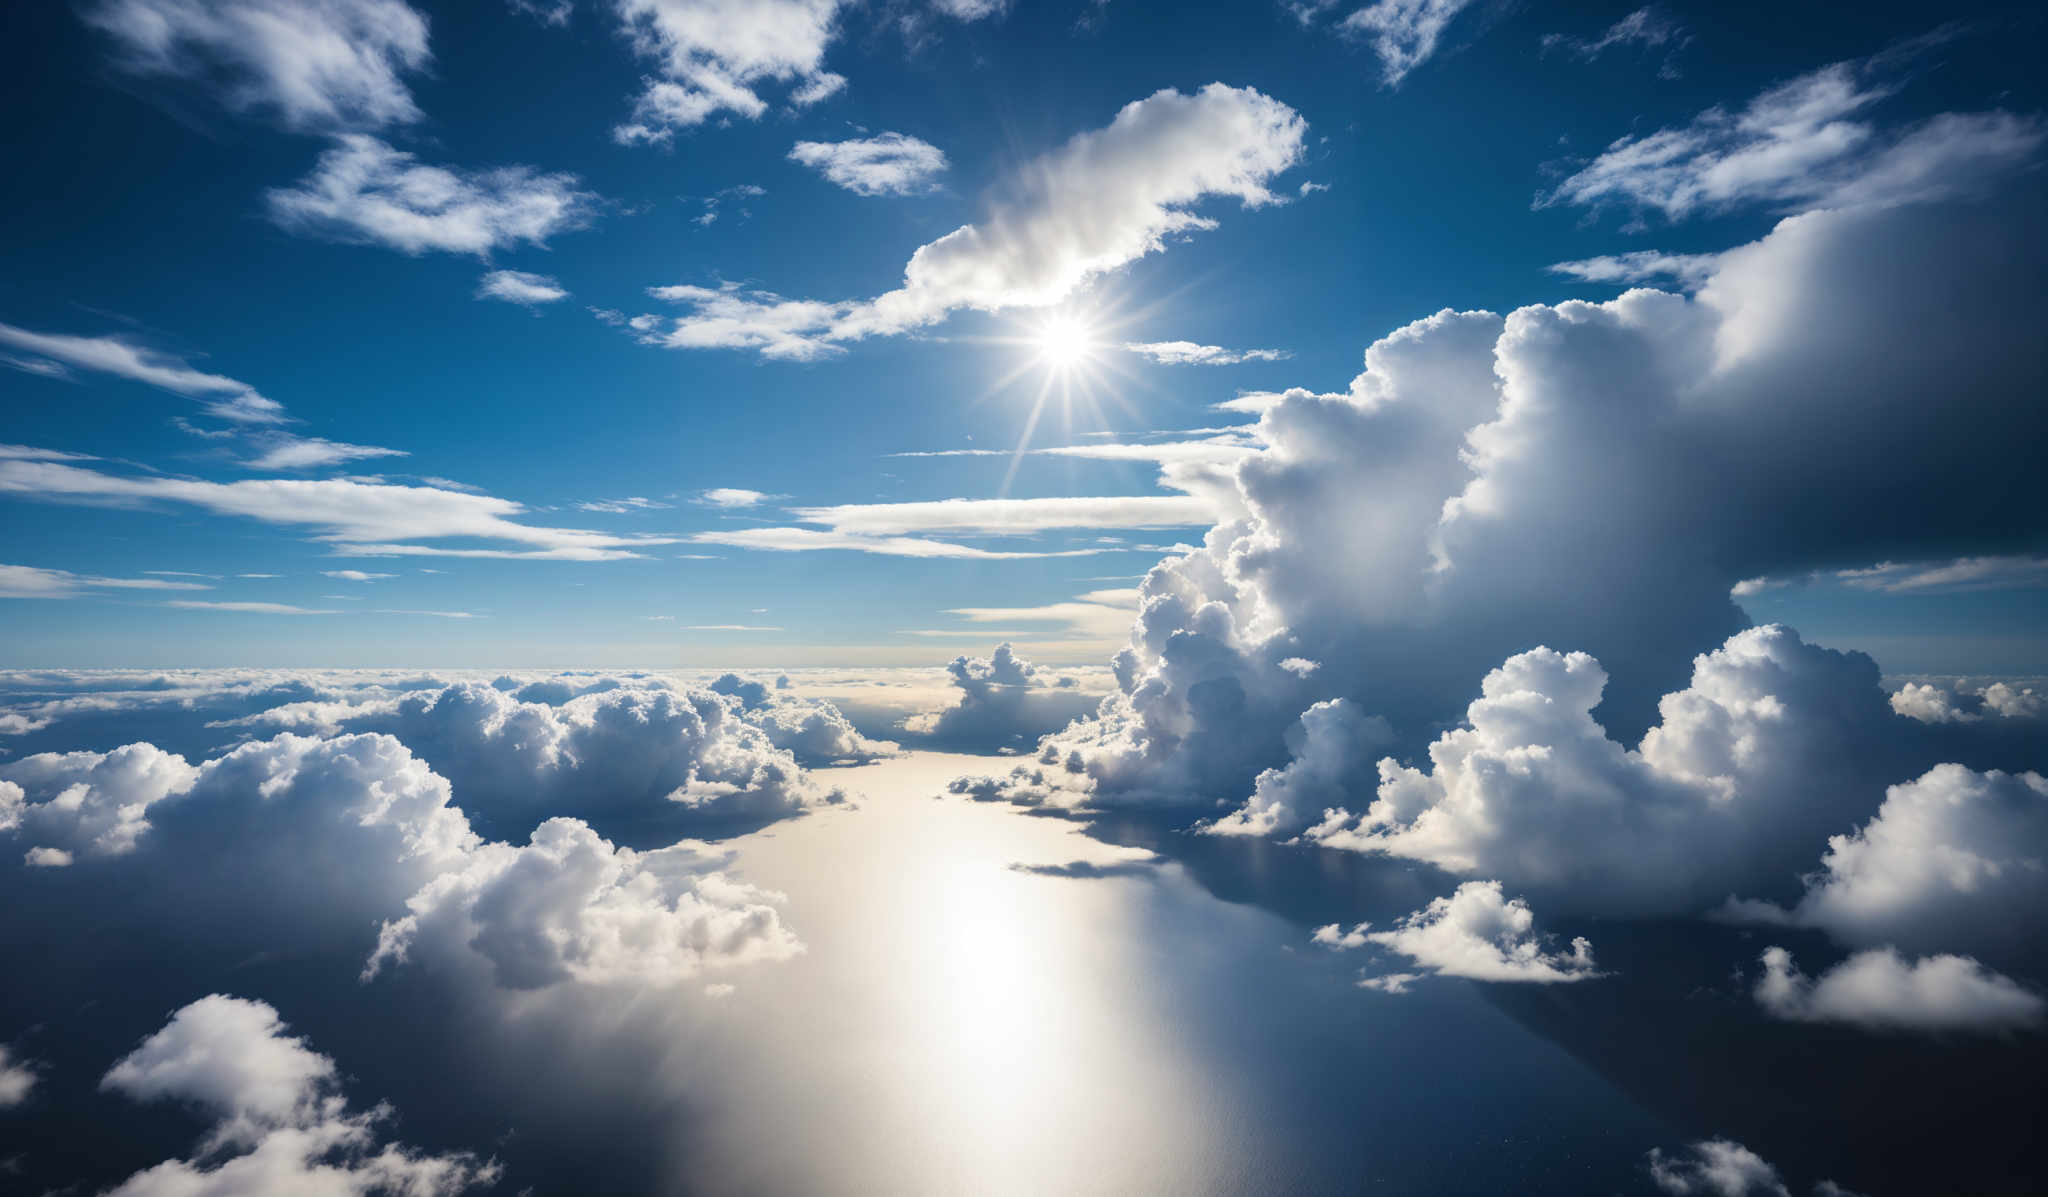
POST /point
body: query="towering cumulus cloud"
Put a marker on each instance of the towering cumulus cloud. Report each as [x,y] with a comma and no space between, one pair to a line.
[1593,477]
[1552,508]
[1005,702]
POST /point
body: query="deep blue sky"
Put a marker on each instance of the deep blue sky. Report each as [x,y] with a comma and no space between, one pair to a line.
[135,210]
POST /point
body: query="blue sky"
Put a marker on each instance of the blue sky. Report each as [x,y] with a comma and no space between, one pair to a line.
[1183,598]
[139,216]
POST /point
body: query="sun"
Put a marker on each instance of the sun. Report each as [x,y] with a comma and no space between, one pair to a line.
[1064,342]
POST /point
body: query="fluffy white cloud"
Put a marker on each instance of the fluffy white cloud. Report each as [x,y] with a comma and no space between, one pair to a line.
[1005,702]
[282,1123]
[1880,990]
[1806,142]
[1104,199]
[1965,703]
[1731,786]
[813,731]
[1491,483]
[357,517]
[733,496]
[1476,933]
[885,164]
[1337,745]
[1956,859]
[625,754]
[312,64]
[365,192]
[1715,1168]
[223,397]
[350,833]
[570,906]
[88,802]
[1403,33]
[714,54]
[518,286]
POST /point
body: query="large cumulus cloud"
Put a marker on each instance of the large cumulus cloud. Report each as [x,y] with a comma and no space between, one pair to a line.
[357,849]
[1596,477]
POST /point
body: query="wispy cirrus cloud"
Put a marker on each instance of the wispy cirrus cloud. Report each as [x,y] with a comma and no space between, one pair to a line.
[313,65]
[1811,141]
[28,581]
[1190,353]
[1648,28]
[364,192]
[223,397]
[354,517]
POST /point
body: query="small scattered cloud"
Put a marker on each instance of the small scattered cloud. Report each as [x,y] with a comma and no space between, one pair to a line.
[518,286]
[364,192]
[885,164]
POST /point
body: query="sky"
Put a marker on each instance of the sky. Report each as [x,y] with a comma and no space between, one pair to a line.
[927,596]
[215,204]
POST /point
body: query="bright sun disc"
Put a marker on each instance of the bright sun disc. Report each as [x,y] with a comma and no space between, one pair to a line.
[1063,341]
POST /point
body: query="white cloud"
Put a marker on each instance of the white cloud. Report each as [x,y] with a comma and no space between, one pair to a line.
[517,286]
[713,55]
[17,1078]
[885,164]
[1189,353]
[1964,573]
[1807,142]
[1965,703]
[733,496]
[1479,934]
[1715,1168]
[1641,266]
[282,451]
[358,518]
[314,65]
[1403,33]
[1647,27]
[282,1124]
[1011,517]
[248,608]
[1952,860]
[805,540]
[1880,990]
[1005,702]
[28,581]
[1541,479]
[223,397]
[354,575]
[363,191]
[813,731]
[1724,790]
[570,906]
[622,506]
[1105,199]
[88,802]
[1339,744]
